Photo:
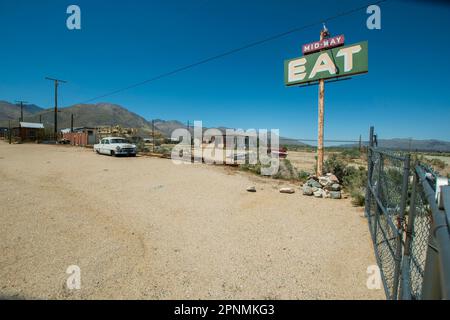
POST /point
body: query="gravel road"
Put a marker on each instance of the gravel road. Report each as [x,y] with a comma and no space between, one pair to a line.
[144,228]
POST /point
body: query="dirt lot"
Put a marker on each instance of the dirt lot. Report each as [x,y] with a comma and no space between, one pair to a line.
[145,228]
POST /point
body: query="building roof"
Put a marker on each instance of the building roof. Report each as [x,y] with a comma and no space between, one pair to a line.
[31,125]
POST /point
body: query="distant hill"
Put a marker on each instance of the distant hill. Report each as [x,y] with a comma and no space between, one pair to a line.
[10,111]
[107,114]
[167,127]
[420,145]
[92,115]
[86,115]
[410,144]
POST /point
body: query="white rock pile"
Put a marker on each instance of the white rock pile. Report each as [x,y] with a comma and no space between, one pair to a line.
[327,186]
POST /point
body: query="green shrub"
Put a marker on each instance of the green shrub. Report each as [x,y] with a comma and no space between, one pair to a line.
[286,171]
[253,168]
[303,176]
[358,199]
[351,154]
[335,165]
[437,163]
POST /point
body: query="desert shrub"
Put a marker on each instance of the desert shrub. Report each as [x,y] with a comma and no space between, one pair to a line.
[351,154]
[253,168]
[358,198]
[355,182]
[354,178]
[335,165]
[438,163]
[286,171]
[140,146]
[303,175]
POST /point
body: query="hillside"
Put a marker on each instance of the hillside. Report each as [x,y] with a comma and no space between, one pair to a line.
[420,145]
[92,115]
[410,144]
[10,111]
[107,114]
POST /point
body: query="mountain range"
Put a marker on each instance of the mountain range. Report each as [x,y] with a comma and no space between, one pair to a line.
[107,114]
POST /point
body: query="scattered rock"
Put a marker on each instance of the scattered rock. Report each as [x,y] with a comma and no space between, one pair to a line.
[326,186]
[251,189]
[313,183]
[307,190]
[287,190]
[335,187]
[335,195]
[333,178]
[318,194]
[325,181]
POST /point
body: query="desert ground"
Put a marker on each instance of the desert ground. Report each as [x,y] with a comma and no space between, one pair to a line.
[145,228]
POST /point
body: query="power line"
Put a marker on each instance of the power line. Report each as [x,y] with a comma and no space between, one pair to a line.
[233,51]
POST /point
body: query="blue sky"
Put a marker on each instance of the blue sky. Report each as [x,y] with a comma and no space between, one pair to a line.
[405,94]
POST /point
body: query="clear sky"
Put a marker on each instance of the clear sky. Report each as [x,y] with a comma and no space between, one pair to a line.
[405,94]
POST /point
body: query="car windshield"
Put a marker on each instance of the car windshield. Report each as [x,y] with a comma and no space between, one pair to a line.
[118,141]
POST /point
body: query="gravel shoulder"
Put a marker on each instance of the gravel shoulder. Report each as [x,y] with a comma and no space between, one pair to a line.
[144,228]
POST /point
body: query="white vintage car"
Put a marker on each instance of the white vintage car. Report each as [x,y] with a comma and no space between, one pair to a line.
[115,146]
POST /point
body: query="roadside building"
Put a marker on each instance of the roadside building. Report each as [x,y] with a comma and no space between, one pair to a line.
[29,131]
[3,132]
[83,136]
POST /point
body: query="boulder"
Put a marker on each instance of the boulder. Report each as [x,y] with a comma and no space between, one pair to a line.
[251,189]
[318,194]
[307,190]
[287,190]
[333,178]
[313,183]
[325,181]
[335,187]
[335,195]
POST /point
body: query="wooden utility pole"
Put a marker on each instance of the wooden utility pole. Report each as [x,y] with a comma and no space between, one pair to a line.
[21,108]
[153,136]
[40,118]
[9,132]
[56,81]
[71,123]
[323,34]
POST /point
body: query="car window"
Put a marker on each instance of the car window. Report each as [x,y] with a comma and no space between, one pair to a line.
[119,141]
[106,141]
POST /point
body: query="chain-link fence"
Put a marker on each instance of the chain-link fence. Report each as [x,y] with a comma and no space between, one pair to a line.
[401,214]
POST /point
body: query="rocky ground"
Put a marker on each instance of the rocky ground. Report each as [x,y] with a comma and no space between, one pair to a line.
[145,228]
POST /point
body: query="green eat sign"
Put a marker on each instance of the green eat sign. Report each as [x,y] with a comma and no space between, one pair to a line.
[333,63]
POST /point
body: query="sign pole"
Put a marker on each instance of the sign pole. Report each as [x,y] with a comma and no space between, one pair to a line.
[327,58]
[320,155]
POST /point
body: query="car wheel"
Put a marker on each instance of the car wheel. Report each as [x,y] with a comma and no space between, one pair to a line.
[113,154]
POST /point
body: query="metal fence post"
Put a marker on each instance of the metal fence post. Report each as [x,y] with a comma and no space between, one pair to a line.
[404,198]
[369,173]
[405,289]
